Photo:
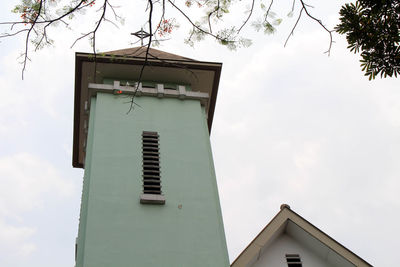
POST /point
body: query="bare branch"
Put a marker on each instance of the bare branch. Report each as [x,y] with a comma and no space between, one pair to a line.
[94,37]
[116,16]
[38,18]
[132,102]
[80,38]
[320,23]
[216,9]
[248,17]
[93,32]
[111,22]
[294,27]
[161,19]
[304,7]
[268,10]
[196,26]
[294,2]
[13,34]
[79,6]
[27,38]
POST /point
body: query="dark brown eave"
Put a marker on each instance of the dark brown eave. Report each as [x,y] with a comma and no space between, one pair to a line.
[189,64]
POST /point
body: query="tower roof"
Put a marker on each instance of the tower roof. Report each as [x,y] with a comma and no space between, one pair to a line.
[140,52]
[126,64]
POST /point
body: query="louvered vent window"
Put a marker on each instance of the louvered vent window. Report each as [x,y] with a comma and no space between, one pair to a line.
[151,169]
[293,260]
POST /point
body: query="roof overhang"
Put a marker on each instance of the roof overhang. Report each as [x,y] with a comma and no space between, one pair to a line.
[201,76]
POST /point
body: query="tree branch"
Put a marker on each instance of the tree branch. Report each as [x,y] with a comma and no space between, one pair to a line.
[320,23]
[248,17]
[132,102]
[294,27]
[196,26]
[27,38]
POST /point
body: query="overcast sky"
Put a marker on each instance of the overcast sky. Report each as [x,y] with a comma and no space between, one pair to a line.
[291,125]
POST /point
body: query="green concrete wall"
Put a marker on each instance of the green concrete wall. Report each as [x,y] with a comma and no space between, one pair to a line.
[115,229]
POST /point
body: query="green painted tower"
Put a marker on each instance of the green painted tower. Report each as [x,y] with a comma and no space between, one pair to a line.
[149,195]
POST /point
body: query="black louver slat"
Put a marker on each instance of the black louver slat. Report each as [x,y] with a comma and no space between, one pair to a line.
[293,260]
[151,163]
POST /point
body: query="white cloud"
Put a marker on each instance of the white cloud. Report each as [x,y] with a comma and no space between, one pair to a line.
[298,127]
[15,240]
[12,102]
[25,180]
[27,183]
[45,82]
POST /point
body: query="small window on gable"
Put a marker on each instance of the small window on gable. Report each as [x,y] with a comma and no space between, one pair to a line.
[293,260]
[152,193]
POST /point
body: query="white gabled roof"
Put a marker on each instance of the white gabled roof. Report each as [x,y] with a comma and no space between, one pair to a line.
[289,222]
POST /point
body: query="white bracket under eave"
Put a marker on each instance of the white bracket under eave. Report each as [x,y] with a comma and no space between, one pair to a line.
[160,90]
[182,91]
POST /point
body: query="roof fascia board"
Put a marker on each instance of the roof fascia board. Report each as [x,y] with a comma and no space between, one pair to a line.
[253,249]
[116,58]
[326,239]
[77,100]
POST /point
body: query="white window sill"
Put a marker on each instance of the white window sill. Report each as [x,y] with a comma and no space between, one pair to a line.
[152,199]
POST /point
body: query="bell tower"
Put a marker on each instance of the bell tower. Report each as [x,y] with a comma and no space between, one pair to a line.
[149,195]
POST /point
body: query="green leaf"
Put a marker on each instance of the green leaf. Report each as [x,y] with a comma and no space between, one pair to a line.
[277,22]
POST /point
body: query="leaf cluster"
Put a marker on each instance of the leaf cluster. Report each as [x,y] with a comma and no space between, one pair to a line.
[372,28]
[39,15]
[28,9]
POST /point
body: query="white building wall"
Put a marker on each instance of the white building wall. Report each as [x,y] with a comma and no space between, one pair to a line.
[274,254]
